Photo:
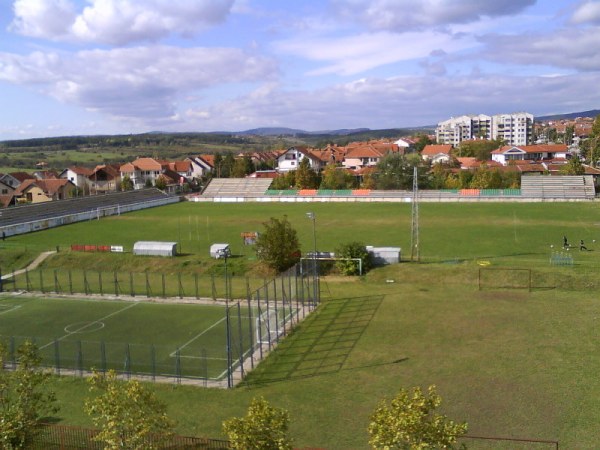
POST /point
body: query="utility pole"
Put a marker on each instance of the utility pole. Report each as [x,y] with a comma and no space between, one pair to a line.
[414,241]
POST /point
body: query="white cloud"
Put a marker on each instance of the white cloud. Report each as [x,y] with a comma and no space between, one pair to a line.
[407,15]
[350,55]
[587,12]
[141,82]
[400,102]
[43,18]
[117,22]
[574,49]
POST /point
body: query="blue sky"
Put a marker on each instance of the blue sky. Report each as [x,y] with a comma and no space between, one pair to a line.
[70,67]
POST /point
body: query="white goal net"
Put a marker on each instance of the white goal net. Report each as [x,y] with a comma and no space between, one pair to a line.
[268,327]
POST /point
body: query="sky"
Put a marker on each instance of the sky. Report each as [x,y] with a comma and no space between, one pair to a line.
[85,67]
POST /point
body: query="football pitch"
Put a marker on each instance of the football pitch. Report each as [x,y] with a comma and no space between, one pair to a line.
[155,339]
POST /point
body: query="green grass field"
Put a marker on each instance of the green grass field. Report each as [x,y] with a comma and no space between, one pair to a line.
[121,335]
[510,362]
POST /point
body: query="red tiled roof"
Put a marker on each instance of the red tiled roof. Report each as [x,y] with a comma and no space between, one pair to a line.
[436,149]
[50,186]
[540,148]
[81,170]
[22,176]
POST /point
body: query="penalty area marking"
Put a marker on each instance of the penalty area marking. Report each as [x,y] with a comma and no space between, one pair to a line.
[172,355]
[78,327]
[15,307]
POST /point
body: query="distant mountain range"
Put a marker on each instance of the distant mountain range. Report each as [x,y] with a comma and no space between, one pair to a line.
[282,131]
[591,113]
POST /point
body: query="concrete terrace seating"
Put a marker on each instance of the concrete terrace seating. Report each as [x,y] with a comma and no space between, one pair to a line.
[58,208]
[558,187]
[237,187]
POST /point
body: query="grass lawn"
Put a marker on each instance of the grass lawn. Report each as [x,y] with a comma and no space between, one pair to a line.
[511,363]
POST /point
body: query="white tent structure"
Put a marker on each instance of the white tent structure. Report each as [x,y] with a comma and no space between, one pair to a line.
[155,248]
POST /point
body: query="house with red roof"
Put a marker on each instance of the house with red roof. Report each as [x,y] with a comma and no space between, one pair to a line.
[368,154]
[144,171]
[291,158]
[540,152]
[201,165]
[37,191]
[437,153]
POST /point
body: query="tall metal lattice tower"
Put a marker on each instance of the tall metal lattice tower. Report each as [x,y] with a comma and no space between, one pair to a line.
[414,241]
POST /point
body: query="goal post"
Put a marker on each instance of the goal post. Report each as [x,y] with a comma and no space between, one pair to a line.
[268,327]
[504,278]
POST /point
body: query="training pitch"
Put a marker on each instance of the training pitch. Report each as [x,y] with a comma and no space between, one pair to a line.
[154,339]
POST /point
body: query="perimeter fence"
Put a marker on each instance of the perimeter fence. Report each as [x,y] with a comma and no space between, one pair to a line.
[62,437]
[128,284]
[218,356]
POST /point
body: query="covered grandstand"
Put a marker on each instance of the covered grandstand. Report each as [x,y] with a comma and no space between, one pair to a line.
[24,219]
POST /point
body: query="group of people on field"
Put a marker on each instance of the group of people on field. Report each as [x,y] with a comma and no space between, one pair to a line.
[566,245]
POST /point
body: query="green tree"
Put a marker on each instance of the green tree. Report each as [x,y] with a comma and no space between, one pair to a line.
[161,183]
[277,246]
[126,183]
[264,428]
[218,162]
[569,133]
[394,171]
[227,166]
[479,149]
[129,416]
[24,397]
[353,250]
[242,167]
[573,167]
[306,177]
[590,148]
[422,142]
[284,181]
[335,177]
[410,422]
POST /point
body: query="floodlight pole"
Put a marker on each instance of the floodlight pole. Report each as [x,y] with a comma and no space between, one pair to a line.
[312,216]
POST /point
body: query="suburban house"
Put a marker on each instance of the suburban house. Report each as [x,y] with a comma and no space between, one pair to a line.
[437,153]
[21,177]
[508,153]
[9,180]
[79,176]
[105,178]
[368,154]
[408,144]
[5,188]
[201,165]
[145,171]
[291,158]
[37,191]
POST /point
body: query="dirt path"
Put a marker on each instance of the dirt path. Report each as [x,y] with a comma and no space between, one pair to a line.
[36,262]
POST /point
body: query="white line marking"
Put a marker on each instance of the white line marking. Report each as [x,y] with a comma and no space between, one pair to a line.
[89,324]
[172,355]
[11,309]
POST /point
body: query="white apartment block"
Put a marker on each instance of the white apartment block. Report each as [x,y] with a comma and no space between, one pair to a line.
[457,129]
[514,129]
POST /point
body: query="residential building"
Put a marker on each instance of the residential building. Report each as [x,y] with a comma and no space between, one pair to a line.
[79,176]
[457,129]
[201,165]
[37,191]
[291,158]
[509,153]
[437,153]
[513,129]
[368,154]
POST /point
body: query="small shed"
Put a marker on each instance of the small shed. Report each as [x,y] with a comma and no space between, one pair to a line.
[220,250]
[155,248]
[384,255]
